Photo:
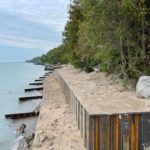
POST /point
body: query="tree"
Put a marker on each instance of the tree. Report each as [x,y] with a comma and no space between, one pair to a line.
[71,29]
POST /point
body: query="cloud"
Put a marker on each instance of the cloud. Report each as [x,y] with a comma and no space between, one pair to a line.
[32,20]
[28,43]
[48,12]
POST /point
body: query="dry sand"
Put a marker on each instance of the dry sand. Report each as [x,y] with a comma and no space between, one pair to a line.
[56,127]
[99,94]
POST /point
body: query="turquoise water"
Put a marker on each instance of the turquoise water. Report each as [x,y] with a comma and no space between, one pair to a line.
[14,77]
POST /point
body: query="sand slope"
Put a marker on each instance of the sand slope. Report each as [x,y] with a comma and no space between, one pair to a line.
[56,128]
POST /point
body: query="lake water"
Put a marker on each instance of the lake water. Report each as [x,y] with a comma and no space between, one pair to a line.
[14,78]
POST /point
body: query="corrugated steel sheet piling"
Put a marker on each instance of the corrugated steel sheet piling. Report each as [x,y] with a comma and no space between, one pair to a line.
[127,131]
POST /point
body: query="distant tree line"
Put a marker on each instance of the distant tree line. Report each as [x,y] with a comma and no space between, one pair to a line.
[111,34]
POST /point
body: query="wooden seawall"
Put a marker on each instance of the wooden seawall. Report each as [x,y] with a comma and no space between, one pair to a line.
[26,98]
[34,89]
[21,115]
[36,83]
[38,80]
[108,131]
[42,77]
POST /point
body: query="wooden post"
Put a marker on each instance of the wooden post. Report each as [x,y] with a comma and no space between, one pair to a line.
[96,133]
[102,132]
[137,132]
[87,131]
[111,130]
[117,132]
[132,132]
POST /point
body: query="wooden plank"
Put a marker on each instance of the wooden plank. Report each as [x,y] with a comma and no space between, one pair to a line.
[77,111]
[91,133]
[132,133]
[27,98]
[126,132]
[99,133]
[87,131]
[78,115]
[120,131]
[36,83]
[105,131]
[137,132]
[96,133]
[84,127]
[74,105]
[38,80]
[70,99]
[21,115]
[75,108]
[141,119]
[33,89]
[117,132]
[81,122]
[102,133]
[107,126]
[42,77]
[72,102]
[111,132]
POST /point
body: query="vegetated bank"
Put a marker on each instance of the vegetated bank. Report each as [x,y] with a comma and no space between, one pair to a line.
[113,35]
[35,60]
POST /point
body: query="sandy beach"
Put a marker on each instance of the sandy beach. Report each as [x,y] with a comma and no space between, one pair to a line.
[56,127]
[98,94]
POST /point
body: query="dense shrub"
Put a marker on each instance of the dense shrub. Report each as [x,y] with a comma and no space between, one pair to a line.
[114,34]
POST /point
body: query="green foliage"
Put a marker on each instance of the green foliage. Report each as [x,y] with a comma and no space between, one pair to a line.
[36,60]
[88,68]
[113,34]
[70,35]
[56,56]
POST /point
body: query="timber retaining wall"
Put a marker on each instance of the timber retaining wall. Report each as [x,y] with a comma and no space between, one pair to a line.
[105,131]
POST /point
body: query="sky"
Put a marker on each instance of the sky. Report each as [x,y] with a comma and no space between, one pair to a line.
[29,28]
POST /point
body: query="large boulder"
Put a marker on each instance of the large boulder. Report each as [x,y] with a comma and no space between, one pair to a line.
[143,87]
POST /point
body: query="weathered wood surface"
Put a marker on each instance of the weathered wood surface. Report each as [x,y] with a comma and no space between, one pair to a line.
[105,131]
[21,115]
[36,83]
[27,98]
[34,89]
[42,77]
[38,80]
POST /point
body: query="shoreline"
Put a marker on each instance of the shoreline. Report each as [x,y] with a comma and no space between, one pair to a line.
[24,140]
[15,77]
[56,126]
[75,100]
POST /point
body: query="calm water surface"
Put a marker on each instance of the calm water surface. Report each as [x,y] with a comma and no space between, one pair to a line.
[14,77]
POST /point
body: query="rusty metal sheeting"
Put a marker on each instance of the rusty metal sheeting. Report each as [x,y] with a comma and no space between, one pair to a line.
[114,132]
[108,132]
